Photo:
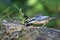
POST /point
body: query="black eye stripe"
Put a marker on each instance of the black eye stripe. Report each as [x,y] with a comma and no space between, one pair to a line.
[32,20]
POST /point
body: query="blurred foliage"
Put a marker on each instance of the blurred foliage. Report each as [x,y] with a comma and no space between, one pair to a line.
[31,2]
[14,9]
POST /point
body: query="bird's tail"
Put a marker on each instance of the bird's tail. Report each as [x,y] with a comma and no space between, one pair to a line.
[52,18]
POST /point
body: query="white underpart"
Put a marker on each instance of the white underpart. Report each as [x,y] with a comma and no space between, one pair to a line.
[39,22]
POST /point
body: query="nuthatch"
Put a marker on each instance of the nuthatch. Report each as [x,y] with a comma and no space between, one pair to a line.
[39,19]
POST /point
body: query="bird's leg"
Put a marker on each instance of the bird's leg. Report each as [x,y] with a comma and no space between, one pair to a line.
[43,25]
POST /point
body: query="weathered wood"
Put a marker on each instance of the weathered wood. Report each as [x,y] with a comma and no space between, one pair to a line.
[17,31]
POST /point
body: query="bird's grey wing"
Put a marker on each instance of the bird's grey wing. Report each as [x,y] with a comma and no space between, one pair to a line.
[42,18]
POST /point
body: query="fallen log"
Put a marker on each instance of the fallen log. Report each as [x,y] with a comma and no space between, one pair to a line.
[17,31]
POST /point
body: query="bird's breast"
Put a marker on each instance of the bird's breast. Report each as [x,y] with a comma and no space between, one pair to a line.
[40,22]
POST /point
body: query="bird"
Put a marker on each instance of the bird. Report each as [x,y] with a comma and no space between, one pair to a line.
[39,19]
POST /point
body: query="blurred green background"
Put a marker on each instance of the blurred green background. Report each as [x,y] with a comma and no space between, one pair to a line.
[14,9]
